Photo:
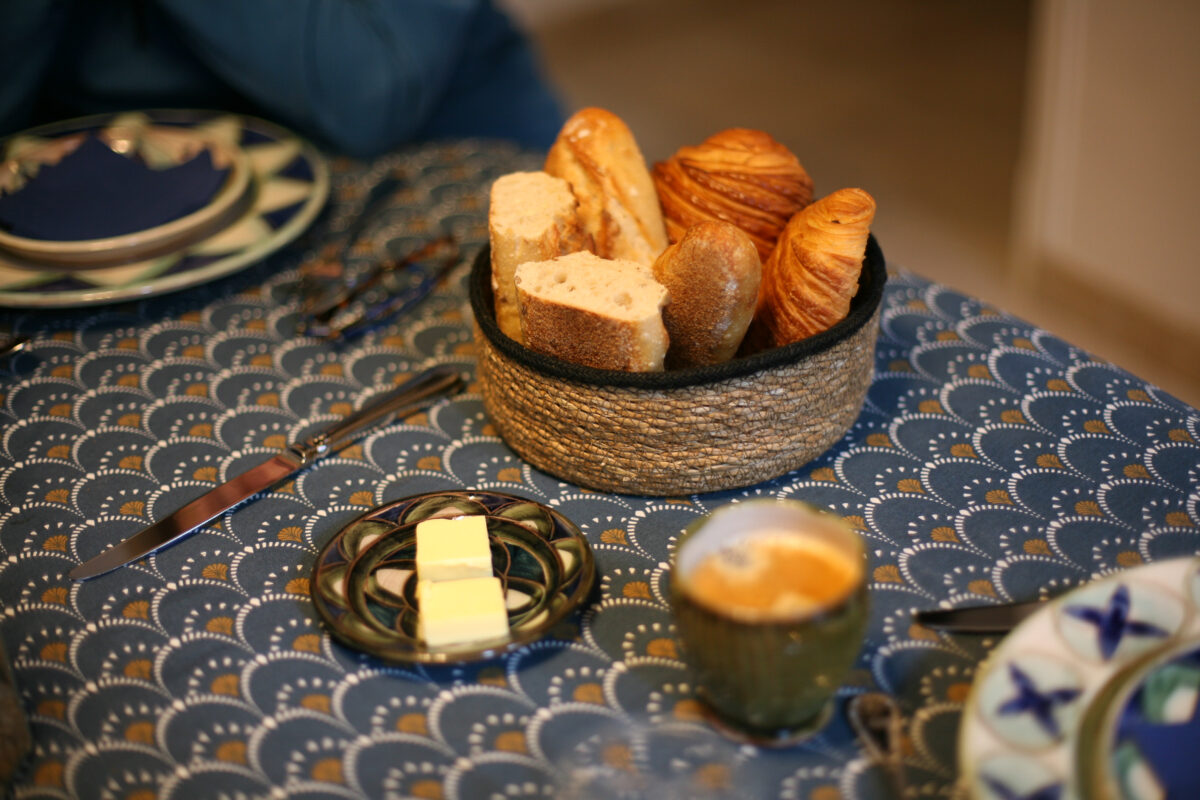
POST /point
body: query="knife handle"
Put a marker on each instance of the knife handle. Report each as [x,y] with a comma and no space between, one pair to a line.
[401,401]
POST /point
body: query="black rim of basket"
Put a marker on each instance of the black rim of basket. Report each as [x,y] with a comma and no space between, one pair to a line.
[870,293]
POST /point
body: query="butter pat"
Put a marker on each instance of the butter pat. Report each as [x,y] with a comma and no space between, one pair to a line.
[461,611]
[451,549]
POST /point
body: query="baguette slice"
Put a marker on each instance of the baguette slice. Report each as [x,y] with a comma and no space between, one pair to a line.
[597,154]
[592,311]
[532,216]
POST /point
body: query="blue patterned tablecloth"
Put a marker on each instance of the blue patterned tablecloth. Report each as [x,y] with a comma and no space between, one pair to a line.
[992,461]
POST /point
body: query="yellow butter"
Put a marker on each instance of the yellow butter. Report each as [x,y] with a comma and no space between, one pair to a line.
[461,611]
[451,549]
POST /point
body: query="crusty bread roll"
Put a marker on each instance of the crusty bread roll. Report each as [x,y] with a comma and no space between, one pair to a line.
[812,274]
[592,311]
[595,152]
[532,216]
[739,175]
[712,276]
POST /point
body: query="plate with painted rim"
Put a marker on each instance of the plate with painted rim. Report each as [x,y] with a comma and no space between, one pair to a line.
[363,583]
[288,185]
[1079,699]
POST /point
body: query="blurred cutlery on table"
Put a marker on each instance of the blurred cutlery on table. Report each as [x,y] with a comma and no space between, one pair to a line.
[14,345]
[999,618]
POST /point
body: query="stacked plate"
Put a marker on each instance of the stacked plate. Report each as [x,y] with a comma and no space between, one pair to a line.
[119,206]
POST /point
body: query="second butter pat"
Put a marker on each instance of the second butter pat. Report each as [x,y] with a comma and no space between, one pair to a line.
[461,611]
[452,549]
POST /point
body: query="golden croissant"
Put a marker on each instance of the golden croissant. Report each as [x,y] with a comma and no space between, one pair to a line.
[812,274]
[739,175]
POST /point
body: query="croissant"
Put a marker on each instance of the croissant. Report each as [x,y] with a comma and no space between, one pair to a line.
[812,274]
[739,175]
[596,154]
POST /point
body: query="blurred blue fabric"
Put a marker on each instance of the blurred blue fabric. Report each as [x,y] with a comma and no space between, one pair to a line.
[359,77]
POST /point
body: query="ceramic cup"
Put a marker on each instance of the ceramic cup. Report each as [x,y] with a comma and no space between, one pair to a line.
[770,605]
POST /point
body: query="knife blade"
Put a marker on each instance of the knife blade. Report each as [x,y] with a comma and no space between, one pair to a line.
[977,619]
[405,399]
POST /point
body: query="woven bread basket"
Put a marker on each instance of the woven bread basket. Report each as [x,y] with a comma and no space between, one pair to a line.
[701,429]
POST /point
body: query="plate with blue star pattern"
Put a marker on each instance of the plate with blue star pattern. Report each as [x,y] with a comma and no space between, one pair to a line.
[1097,695]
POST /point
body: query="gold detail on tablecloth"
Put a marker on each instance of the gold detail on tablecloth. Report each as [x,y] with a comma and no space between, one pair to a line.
[1058,385]
[413,723]
[207,474]
[713,776]
[1012,416]
[141,731]
[916,304]
[636,589]
[1088,508]
[1136,471]
[921,632]
[983,587]
[136,609]
[1179,435]
[1138,396]
[427,790]
[957,692]
[262,360]
[943,533]
[1096,426]
[255,325]
[133,508]
[130,420]
[333,368]
[899,365]
[823,474]
[223,625]
[1037,547]
[226,684]
[1129,558]
[492,676]
[888,573]
[139,669]
[216,571]
[430,463]
[488,429]
[930,407]
[128,343]
[419,418]
[57,543]
[55,596]
[197,390]
[910,486]
[232,752]
[59,451]
[340,409]
[63,371]
[55,709]
[826,792]
[58,496]
[193,351]
[999,497]
[1179,519]
[270,399]
[287,488]
[130,462]
[613,536]
[307,643]
[54,651]
[855,521]
[509,474]
[963,450]
[292,533]
[662,648]
[49,773]
[948,336]
[1023,343]
[276,441]
[588,693]
[297,586]
[510,742]
[317,702]
[60,410]
[363,497]
[1049,461]
[328,770]
[980,371]
[879,440]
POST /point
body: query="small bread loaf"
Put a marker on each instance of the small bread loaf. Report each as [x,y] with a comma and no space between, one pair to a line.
[592,311]
[595,152]
[532,216]
[712,276]
[812,274]
[739,175]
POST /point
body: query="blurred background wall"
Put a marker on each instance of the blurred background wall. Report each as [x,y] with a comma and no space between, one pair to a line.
[1041,154]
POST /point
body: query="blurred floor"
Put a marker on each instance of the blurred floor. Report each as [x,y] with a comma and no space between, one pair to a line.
[918,101]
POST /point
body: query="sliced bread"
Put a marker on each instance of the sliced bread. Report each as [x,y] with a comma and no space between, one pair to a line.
[532,216]
[593,311]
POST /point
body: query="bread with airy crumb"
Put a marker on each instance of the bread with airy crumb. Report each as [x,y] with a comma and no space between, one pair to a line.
[603,313]
[597,154]
[712,275]
[532,216]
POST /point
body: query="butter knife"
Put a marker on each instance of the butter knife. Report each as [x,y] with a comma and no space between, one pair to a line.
[406,399]
[977,619]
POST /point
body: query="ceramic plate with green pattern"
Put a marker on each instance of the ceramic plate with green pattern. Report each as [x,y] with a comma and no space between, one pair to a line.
[364,581]
[1096,695]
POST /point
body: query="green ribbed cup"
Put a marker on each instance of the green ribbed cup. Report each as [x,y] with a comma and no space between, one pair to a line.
[771,681]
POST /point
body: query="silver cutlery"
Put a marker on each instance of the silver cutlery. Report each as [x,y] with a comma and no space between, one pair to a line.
[14,345]
[977,619]
[409,397]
